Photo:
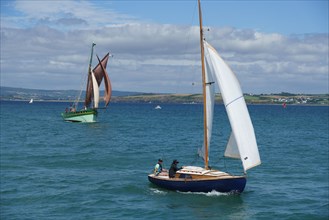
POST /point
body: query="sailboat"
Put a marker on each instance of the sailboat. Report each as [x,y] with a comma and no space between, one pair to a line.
[31,101]
[242,142]
[95,76]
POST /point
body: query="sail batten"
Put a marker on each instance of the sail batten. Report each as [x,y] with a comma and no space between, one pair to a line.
[226,105]
[242,141]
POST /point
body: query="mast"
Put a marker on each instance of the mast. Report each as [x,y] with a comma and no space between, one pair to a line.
[89,72]
[204,84]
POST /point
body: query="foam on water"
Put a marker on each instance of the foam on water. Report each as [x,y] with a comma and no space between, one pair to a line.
[158,191]
[213,193]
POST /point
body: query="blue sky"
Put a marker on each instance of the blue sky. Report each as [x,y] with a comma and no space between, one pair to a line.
[286,17]
[272,46]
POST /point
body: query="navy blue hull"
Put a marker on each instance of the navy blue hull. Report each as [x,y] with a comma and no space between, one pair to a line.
[220,185]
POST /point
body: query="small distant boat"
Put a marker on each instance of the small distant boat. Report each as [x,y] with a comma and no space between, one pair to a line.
[158,107]
[95,76]
[242,141]
[31,101]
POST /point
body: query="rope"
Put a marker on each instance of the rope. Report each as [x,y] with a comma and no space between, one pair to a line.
[196,158]
[82,85]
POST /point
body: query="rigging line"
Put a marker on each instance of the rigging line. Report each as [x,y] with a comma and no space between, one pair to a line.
[196,158]
[81,88]
[233,100]
[77,100]
[82,84]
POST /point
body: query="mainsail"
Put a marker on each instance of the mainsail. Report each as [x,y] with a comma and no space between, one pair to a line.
[99,73]
[242,128]
[210,102]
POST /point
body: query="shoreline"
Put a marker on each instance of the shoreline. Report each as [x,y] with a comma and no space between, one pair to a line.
[159,102]
[17,94]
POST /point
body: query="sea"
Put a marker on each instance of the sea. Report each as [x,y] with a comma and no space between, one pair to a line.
[51,169]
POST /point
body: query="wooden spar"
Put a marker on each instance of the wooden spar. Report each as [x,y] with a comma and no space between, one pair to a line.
[204,91]
[89,72]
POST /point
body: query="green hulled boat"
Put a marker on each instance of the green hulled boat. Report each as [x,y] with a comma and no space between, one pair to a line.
[95,77]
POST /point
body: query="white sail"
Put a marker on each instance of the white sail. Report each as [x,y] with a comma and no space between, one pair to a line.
[95,90]
[210,101]
[236,108]
[232,149]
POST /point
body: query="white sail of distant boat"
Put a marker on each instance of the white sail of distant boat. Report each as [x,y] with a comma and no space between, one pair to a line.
[241,143]
[31,101]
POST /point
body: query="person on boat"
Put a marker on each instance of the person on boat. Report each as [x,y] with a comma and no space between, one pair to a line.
[158,168]
[72,108]
[173,169]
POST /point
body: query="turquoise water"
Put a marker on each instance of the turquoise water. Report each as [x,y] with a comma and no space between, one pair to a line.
[51,169]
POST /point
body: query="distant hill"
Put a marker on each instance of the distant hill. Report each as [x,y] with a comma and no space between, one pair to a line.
[19,94]
[10,93]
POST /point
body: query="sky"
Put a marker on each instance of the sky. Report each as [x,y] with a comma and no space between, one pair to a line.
[272,46]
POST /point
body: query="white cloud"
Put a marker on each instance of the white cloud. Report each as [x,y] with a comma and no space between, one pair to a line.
[66,14]
[150,57]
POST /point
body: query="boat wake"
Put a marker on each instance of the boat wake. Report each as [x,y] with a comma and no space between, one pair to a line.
[157,191]
[213,193]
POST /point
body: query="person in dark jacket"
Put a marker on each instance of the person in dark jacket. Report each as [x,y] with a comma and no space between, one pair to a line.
[173,169]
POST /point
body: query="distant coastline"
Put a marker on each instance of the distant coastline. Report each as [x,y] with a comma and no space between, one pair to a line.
[19,94]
